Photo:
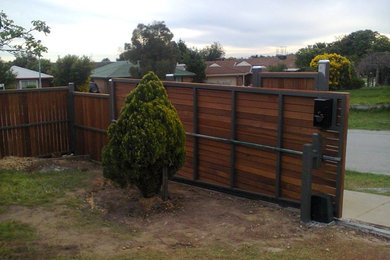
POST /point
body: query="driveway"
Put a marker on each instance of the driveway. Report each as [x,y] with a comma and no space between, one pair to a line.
[368,151]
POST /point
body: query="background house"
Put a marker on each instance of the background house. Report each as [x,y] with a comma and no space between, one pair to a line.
[238,72]
[181,74]
[102,75]
[26,78]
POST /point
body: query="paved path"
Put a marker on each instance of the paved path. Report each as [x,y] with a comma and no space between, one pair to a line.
[368,151]
[366,207]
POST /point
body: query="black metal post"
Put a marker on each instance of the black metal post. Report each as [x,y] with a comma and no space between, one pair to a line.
[71,115]
[317,150]
[306,182]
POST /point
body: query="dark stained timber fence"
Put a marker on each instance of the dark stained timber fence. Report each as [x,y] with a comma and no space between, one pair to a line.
[34,122]
[250,140]
[288,80]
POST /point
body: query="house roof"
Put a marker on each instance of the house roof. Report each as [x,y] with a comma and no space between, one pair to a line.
[183,73]
[119,69]
[22,73]
[244,66]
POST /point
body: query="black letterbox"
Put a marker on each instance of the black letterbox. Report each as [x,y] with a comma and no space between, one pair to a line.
[323,112]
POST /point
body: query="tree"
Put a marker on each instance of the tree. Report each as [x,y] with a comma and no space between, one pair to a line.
[152,48]
[15,39]
[147,137]
[72,68]
[339,71]
[213,52]
[29,61]
[278,67]
[357,44]
[376,64]
[304,55]
[193,60]
[6,76]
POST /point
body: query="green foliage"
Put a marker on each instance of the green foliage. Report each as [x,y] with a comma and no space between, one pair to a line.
[369,96]
[15,39]
[305,55]
[213,52]
[72,68]
[354,46]
[147,136]
[339,71]
[280,67]
[367,182]
[6,76]
[12,230]
[152,47]
[374,119]
[29,61]
[21,188]
[193,60]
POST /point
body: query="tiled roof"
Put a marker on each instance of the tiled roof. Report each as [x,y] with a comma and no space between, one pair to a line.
[229,67]
[183,73]
[22,73]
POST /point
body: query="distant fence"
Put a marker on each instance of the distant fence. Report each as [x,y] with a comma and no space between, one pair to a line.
[247,141]
[288,80]
[34,122]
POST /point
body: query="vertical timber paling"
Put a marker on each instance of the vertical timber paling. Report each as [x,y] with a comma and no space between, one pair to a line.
[279,140]
[195,139]
[233,137]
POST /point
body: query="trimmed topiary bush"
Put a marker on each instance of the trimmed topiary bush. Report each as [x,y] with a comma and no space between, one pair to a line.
[147,136]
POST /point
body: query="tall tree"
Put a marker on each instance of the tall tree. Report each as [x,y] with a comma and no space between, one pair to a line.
[6,76]
[72,68]
[153,49]
[376,64]
[213,52]
[29,61]
[304,55]
[193,60]
[15,39]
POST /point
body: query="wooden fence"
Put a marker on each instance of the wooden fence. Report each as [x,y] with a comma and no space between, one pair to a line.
[34,122]
[215,117]
[288,80]
[246,141]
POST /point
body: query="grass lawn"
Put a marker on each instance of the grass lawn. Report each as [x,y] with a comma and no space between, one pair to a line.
[369,96]
[367,182]
[376,119]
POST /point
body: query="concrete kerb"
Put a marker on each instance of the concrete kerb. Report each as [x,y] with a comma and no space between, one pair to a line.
[379,231]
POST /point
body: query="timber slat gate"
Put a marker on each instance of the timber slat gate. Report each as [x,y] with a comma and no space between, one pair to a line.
[245,141]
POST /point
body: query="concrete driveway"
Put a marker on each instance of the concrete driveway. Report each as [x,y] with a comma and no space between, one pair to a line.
[368,151]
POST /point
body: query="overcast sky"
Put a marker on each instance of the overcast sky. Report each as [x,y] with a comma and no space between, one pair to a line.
[99,29]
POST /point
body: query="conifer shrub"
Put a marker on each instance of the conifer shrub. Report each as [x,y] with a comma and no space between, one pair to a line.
[147,136]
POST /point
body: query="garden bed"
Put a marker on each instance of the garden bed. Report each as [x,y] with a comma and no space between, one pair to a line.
[95,219]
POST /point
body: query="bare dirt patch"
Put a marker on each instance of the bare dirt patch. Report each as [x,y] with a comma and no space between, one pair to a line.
[103,221]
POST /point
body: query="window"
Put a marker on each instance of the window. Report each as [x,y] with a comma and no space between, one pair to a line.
[28,84]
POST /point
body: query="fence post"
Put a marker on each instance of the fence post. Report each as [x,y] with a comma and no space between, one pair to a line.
[111,100]
[306,182]
[323,75]
[256,79]
[71,114]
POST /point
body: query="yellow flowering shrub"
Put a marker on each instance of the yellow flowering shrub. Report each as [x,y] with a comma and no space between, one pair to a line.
[339,71]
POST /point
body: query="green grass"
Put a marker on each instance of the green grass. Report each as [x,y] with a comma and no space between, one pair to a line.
[21,188]
[376,119]
[367,182]
[15,238]
[369,96]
